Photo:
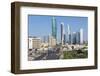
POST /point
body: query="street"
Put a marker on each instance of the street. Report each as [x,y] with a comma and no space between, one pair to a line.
[49,55]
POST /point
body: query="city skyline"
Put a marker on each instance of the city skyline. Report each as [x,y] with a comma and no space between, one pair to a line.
[52,25]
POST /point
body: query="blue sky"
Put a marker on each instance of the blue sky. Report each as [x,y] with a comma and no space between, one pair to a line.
[40,25]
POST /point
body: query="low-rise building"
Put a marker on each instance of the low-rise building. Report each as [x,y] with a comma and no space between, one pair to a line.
[34,43]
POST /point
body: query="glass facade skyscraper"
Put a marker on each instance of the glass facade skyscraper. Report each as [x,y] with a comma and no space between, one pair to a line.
[54,28]
[69,38]
[78,37]
[74,38]
[63,39]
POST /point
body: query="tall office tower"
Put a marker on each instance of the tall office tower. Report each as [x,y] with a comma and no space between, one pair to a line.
[81,36]
[62,33]
[74,38]
[78,37]
[54,28]
[69,34]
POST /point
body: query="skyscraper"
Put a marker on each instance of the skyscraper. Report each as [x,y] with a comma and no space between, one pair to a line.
[54,28]
[69,34]
[30,43]
[81,36]
[74,38]
[78,37]
[64,38]
[62,33]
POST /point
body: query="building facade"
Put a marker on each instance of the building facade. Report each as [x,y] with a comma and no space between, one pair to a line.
[36,43]
[52,41]
[81,36]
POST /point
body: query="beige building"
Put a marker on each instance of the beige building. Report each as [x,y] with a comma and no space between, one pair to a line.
[36,43]
[52,41]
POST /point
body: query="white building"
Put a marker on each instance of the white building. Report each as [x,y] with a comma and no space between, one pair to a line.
[30,43]
[81,36]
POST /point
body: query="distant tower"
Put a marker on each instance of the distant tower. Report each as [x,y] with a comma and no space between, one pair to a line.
[45,39]
[62,33]
[81,36]
[78,37]
[74,38]
[64,38]
[69,34]
[64,41]
[54,28]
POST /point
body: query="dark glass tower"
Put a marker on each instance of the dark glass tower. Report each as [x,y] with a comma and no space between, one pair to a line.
[74,38]
[54,28]
[78,37]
